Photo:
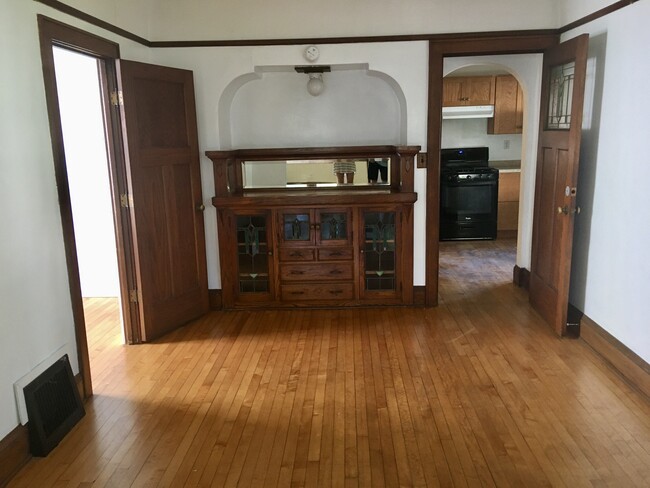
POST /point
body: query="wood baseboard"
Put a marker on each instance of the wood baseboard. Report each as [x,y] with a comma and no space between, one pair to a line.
[14,453]
[216,300]
[633,368]
[419,295]
[521,277]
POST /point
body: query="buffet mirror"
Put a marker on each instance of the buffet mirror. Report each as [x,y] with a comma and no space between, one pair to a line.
[327,170]
[315,173]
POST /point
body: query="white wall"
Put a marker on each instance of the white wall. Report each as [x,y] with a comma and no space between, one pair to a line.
[527,68]
[35,309]
[251,19]
[610,279]
[219,73]
[86,161]
[276,109]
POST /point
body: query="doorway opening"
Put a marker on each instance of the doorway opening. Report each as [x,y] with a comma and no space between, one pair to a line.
[479,266]
[79,91]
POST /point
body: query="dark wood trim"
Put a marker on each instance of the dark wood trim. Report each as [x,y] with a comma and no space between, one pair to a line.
[79,14]
[432,204]
[353,39]
[419,295]
[521,277]
[633,368]
[596,15]
[438,50]
[463,39]
[14,453]
[216,299]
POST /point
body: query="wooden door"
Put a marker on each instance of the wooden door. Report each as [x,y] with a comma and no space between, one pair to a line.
[159,127]
[556,181]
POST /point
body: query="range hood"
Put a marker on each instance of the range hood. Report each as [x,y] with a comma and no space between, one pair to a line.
[468,112]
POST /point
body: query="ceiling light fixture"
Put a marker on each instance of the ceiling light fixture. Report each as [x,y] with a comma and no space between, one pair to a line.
[315,85]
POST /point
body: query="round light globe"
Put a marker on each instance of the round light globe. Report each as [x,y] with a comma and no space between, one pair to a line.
[315,85]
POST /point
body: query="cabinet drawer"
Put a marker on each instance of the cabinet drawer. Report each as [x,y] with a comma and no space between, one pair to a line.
[296,254]
[316,271]
[335,254]
[320,291]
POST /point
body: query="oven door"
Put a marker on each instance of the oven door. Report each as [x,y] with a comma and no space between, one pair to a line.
[468,209]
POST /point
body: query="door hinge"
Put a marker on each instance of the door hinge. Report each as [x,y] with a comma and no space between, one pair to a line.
[133,296]
[126,200]
[117,99]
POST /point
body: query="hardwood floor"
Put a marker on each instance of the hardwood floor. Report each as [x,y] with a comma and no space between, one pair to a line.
[476,392]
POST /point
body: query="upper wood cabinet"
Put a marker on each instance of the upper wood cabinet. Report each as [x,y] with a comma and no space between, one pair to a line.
[508,107]
[467,90]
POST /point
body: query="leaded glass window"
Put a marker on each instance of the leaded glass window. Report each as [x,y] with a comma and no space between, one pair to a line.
[252,253]
[560,96]
[379,250]
[296,227]
[333,226]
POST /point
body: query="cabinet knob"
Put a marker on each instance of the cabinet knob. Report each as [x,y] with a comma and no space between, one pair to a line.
[200,207]
[270,253]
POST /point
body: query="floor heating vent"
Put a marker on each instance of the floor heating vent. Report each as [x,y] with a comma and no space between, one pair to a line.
[53,407]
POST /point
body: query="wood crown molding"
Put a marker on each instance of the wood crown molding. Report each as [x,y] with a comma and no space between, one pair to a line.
[632,367]
[446,37]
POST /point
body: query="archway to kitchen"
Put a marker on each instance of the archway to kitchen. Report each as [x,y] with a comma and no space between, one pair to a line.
[510,153]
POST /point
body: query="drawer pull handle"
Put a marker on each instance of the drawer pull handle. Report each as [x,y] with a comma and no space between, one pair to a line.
[336,253]
[295,254]
[295,272]
[336,272]
[336,292]
[297,293]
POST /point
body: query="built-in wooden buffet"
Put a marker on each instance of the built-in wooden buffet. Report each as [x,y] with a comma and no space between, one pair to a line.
[314,243]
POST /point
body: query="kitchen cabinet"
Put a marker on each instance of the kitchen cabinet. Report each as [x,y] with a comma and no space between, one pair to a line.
[508,200]
[467,90]
[508,107]
[330,247]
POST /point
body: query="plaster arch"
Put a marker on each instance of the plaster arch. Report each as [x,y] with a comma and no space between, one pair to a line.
[356,111]
[527,69]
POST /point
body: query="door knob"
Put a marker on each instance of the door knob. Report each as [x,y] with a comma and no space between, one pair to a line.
[563,210]
[200,208]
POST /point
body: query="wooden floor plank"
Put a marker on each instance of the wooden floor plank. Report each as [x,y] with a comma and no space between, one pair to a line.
[476,392]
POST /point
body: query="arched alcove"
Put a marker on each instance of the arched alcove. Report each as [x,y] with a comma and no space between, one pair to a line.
[272,108]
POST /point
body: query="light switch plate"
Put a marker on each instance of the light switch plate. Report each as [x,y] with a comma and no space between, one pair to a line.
[422,160]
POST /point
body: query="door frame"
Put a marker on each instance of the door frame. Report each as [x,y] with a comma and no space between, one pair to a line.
[472,45]
[53,33]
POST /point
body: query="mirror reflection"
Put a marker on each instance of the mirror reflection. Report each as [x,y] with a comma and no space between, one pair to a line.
[316,173]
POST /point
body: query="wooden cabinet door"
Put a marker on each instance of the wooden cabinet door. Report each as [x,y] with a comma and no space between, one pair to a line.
[248,268]
[379,247]
[452,92]
[467,90]
[296,227]
[508,107]
[333,227]
[558,153]
[159,126]
[479,90]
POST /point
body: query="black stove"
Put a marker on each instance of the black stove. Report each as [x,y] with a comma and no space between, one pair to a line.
[468,194]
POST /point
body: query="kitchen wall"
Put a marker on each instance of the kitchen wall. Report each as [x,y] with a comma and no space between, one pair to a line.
[473,132]
[610,278]
[35,309]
